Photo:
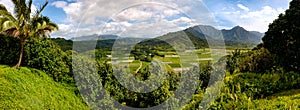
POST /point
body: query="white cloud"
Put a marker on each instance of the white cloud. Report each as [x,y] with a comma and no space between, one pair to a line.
[133,14]
[131,18]
[182,20]
[146,29]
[243,7]
[91,10]
[69,31]
[253,20]
[59,4]
[10,6]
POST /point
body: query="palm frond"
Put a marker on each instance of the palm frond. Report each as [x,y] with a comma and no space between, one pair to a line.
[4,13]
[41,9]
[2,7]
[23,25]
[7,24]
[28,10]
[11,32]
[19,8]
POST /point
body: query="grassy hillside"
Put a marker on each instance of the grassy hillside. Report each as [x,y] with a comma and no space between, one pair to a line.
[26,88]
[284,100]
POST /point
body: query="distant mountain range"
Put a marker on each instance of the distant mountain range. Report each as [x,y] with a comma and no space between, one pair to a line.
[236,37]
[94,37]
[204,35]
[239,34]
[236,34]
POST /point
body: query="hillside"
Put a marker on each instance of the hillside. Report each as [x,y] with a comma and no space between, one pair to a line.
[240,34]
[26,88]
[176,39]
[94,37]
[237,37]
[284,100]
[236,34]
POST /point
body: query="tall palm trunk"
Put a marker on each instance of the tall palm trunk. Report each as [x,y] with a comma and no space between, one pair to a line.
[21,54]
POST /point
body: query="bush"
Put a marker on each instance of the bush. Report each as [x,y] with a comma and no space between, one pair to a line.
[9,50]
[45,55]
[257,61]
[241,89]
[41,54]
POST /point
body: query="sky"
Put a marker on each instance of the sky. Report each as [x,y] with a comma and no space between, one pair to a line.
[152,18]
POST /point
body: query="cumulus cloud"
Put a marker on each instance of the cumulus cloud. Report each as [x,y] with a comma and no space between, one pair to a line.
[243,7]
[59,4]
[147,29]
[95,9]
[253,20]
[131,18]
[70,31]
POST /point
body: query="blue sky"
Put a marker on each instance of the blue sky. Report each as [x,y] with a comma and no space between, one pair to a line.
[151,18]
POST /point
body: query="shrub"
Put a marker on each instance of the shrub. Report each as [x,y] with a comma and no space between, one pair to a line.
[239,90]
[257,61]
[41,54]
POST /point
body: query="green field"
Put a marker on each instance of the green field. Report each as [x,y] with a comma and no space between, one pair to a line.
[185,59]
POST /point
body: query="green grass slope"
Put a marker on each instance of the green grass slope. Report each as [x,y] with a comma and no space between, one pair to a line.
[26,88]
[284,100]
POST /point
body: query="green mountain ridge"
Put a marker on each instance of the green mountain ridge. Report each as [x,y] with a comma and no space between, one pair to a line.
[239,34]
[199,35]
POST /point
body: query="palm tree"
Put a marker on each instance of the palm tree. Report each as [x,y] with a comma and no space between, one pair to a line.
[24,24]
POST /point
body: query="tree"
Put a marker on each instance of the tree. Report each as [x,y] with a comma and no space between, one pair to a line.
[282,39]
[25,24]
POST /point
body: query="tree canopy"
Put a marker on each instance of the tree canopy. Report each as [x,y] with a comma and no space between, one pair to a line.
[282,38]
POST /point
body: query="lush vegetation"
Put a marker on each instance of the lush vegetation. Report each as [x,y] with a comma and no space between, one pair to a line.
[24,24]
[41,54]
[284,31]
[258,78]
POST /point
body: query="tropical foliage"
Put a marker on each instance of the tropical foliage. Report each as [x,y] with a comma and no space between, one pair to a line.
[261,78]
[25,24]
[41,54]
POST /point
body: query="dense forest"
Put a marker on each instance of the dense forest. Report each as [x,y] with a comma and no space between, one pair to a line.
[38,72]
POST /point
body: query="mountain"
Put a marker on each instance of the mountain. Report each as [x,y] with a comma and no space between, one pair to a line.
[94,37]
[240,34]
[86,43]
[180,39]
[258,33]
[236,34]
[204,32]
[201,34]
[63,43]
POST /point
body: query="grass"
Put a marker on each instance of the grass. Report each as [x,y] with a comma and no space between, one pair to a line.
[187,59]
[26,88]
[134,65]
[284,100]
